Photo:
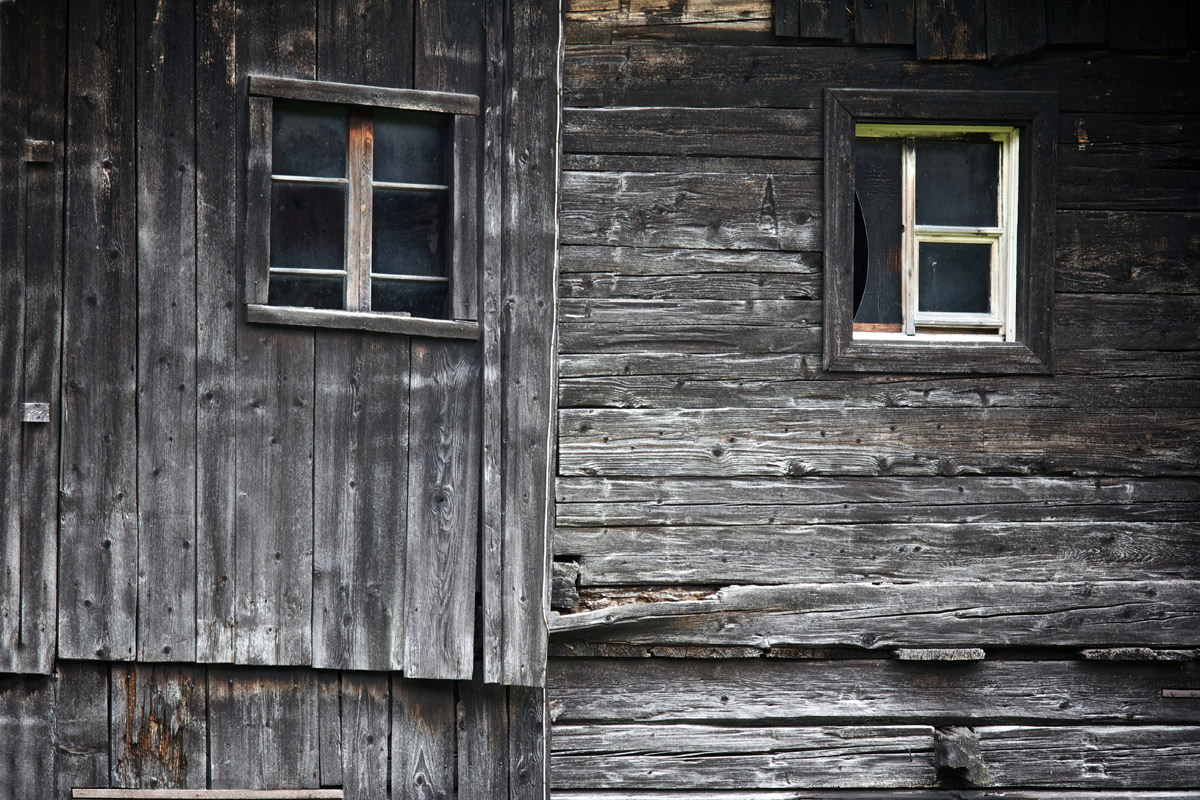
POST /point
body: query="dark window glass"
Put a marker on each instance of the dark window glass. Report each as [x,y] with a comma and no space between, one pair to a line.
[954,277]
[957,182]
[877,244]
[421,299]
[308,226]
[408,235]
[410,146]
[309,139]
[306,292]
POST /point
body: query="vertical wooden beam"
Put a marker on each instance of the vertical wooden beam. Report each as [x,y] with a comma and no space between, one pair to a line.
[98,543]
[158,727]
[422,738]
[527,743]
[482,740]
[951,30]
[26,731]
[263,728]
[329,713]
[361,434]
[365,717]
[166,609]
[80,727]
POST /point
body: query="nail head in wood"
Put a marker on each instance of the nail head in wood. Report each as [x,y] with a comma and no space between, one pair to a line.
[39,151]
[36,412]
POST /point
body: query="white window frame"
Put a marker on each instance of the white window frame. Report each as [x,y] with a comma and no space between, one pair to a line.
[1000,322]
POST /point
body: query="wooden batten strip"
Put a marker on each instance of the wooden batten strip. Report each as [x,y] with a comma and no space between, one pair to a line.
[345,93]
[207,794]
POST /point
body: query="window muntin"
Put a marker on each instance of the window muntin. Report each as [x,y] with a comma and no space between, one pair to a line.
[939,202]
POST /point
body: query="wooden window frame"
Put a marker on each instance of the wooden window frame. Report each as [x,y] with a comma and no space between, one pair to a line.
[1026,346]
[462,218]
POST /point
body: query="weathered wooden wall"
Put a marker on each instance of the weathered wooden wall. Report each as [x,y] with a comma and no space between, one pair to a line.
[221,492]
[165,726]
[748,544]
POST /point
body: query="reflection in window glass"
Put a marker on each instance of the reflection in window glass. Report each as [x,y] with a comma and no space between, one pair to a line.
[305,291]
[954,277]
[308,225]
[957,182]
[309,139]
[877,184]
[410,146]
[408,234]
[421,299]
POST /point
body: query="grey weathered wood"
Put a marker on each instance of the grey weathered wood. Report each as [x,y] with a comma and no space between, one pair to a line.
[773,691]
[698,75]
[633,502]
[1137,654]
[332,92]
[760,442]
[443,511]
[329,713]
[756,132]
[528,743]
[600,262]
[81,720]
[771,212]
[263,728]
[158,727]
[365,42]
[482,740]
[365,720]
[739,165]
[423,733]
[361,465]
[207,794]
[27,711]
[703,286]
[692,20]
[749,554]
[527,337]
[464,246]
[166,328]
[1151,614]
[257,226]
[658,756]
[1133,252]
[362,321]
[883,794]
[98,536]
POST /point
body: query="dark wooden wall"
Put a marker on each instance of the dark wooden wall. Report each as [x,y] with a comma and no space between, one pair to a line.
[752,551]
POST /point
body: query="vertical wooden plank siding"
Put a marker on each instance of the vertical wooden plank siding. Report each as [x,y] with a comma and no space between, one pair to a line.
[26,731]
[823,19]
[262,728]
[444,416]
[482,722]
[883,21]
[80,741]
[166,331]
[787,18]
[361,408]
[158,727]
[98,536]
[423,717]
[951,30]
[12,324]
[443,510]
[218,189]
[274,413]
[1015,28]
[528,774]
[527,335]
[42,339]
[1077,21]
[329,713]
[1132,27]
[361,466]
[366,714]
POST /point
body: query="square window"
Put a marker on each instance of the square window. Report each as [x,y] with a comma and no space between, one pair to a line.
[939,230]
[361,208]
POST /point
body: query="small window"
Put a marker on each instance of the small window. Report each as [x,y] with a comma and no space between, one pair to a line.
[361,208]
[939,230]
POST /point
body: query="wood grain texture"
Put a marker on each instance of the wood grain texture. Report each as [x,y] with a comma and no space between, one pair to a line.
[423,734]
[27,709]
[904,615]
[1114,252]
[731,442]
[1161,26]
[784,692]
[787,18]
[361,463]
[166,329]
[98,537]
[883,21]
[482,741]
[1077,21]
[329,713]
[882,794]
[1015,29]
[365,721]
[262,728]
[703,20]
[528,744]
[158,727]
[951,30]
[81,720]
[824,19]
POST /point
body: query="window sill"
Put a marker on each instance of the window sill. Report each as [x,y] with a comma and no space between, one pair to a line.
[960,357]
[362,321]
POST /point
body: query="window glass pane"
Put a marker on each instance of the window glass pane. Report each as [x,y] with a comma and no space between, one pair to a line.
[308,139]
[305,292]
[419,299]
[957,182]
[408,235]
[410,146]
[308,224]
[877,245]
[954,277]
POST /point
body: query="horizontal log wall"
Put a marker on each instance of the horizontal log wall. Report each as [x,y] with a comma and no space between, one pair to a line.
[747,545]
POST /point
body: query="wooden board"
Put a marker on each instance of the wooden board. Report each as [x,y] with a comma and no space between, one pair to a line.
[899,615]
[166,330]
[365,720]
[1114,252]
[158,729]
[81,733]
[788,692]
[528,743]
[1015,29]
[482,742]
[883,21]
[1077,21]
[951,30]
[262,728]
[98,537]
[1162,26]
[423,725]
[26,734]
